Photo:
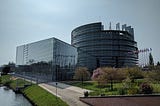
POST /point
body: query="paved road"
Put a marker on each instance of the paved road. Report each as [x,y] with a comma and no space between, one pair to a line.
[67,93]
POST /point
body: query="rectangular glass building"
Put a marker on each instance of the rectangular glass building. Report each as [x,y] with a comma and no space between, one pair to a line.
[46,60]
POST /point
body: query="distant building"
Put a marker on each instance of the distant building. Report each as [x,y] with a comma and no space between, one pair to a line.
[46,60]
[98,47]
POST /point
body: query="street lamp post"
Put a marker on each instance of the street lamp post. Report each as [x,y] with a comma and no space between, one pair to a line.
[56,89]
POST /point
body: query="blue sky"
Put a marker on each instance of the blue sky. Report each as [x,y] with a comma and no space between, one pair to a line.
[26,21]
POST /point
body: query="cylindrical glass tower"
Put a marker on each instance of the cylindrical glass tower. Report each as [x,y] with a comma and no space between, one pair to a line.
[98,47]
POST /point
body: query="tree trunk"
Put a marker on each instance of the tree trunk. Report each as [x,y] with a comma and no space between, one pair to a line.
[111,85]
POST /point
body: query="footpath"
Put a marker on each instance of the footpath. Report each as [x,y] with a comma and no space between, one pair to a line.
[69,94]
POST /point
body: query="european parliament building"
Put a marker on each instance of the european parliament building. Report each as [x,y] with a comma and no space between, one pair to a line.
[91,46]
[46,60]
[98,47]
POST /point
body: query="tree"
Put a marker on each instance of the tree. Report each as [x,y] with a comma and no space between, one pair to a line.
[113,74]
[158,63]
[154,75]
[82,74]
[104,75]
[121,74]
[146,88]
[11,64]
[5,70]
[134,73]
[99,76]
[151,62]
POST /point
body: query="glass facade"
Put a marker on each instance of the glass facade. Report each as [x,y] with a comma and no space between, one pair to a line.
[98,47]
[46,60]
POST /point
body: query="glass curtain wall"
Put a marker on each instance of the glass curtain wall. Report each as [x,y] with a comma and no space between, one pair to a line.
[46,60]
[98,47]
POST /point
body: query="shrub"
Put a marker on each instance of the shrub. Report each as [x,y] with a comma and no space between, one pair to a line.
[86,94]
[132,91]
[7,83]
[121,91]
[146,88]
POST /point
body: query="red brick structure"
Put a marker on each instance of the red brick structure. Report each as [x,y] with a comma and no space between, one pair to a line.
[141,100]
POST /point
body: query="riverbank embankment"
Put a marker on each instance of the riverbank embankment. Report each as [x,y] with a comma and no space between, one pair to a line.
[34,93]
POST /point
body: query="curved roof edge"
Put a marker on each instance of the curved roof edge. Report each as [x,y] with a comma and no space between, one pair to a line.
[87,25]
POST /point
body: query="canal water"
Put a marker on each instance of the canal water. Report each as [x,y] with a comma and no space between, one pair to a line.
[9,98]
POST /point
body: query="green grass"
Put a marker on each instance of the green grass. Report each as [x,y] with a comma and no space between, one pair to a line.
[118,88]
[42,97]
[5,79]
[96,90]
[156,88]
[19,83]
[86,85]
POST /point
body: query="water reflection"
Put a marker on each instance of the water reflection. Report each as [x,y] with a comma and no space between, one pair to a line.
[9,98]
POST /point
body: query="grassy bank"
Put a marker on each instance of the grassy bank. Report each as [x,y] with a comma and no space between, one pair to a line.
[42,97]
[13,82]
[5,79]
[34,93]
